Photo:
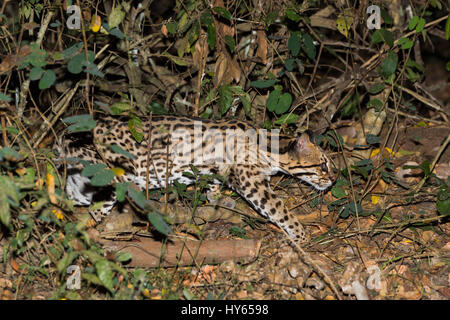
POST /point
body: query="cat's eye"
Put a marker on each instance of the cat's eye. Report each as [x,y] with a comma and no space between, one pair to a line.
[324,167]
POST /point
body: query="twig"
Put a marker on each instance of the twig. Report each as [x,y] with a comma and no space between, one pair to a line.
[83,31]
[433,164]
[26,84]
[424,100]
[149,143]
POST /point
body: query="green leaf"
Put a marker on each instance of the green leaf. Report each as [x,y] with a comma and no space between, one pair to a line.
[443,199]
[287,118]
[377,103]
[365,163]
[223,13]
[246,102]
[413,23]
[294,44]
[284,103]
[372,139]
[177,60]
[411,63]
[136,128]
[172,27]
[105,274]
[389,64]
[412,76]
[157,108]
[76,63]
[211,33]
[37,57]
[206,18]
[262,84]
[92,169]
[376,88]
[383,35]
[65,261]
[119,107]
[139,198]
[289,64]
[272,100]
[229,41]
[117,149]
[194,32]
[332,137]
[117,33]
[71,51]
[91,278]
[338,192]
[225,98]
[9,196]
[292,15]
[447,66]
[4,97]
[345,213]
[238,232]
[115,17]
[387,19]
[420,25]
[9,154]
[36,73]
[47,79]
[271,17]
[77,118]
[123,256]
[158,222]
[350,105]
[80,123]
[121,190]
[405,43]
[92,69]
[425,166]
[102,178]
[354,208]
[308,46]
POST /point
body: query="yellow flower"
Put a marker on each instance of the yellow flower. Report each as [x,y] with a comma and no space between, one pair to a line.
[58,213]
[377,151]
[96,23]
[375,199]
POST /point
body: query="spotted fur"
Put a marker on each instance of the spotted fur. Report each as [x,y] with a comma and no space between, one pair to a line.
[298,157]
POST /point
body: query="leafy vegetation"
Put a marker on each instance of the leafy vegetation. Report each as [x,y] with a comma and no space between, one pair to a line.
[280,65]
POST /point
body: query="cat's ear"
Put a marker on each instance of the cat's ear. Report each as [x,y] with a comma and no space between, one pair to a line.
[302,143]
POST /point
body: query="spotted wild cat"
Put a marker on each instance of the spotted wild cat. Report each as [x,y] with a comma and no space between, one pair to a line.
[244,155]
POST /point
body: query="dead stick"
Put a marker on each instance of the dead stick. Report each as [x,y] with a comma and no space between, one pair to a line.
[433,164]
[26,84]
[148,252]
[149,143]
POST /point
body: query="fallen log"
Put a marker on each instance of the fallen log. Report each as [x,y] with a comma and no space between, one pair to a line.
[147,252]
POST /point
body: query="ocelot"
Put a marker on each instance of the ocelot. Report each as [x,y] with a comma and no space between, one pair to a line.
[244,155]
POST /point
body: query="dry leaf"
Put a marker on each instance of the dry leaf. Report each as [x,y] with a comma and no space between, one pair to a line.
[220,69]
[13,60]
[164,30]
[201,52]
[15,265]
[261,40]
[50,181]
